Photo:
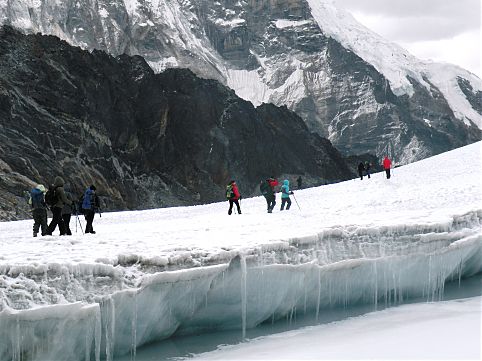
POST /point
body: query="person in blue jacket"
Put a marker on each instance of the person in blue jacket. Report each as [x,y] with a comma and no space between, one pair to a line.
[39,209]
[285,195]
[89,205]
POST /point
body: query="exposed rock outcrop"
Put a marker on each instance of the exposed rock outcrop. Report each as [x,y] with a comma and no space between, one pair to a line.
[145,139]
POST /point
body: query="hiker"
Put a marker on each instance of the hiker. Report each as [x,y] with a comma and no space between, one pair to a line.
[89,205]
[367,169]
[268,191]
[361,168]
[57,202]
[387,163]
[67,210]
[39,209]
[233,196]
[285,195]
[299,181]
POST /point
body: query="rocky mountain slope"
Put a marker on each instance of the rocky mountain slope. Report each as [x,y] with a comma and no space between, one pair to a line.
[145,139]
[348,84]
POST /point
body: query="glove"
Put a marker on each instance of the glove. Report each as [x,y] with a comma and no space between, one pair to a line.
[291,192]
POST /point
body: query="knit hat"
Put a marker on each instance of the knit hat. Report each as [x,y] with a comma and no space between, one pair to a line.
[41,188]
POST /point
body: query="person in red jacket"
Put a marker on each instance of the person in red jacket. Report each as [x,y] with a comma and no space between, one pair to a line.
[387,164]
[273,182]
[233,196]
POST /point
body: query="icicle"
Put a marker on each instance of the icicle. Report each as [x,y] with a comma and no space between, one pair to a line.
[460,270]
[243,295]
[318,297]
[88,343]
[134,329]
[97,333]
[109,327]
[16,342]
[429,278]
[375,273]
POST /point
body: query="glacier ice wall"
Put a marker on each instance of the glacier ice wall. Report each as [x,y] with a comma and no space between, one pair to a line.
[339,267]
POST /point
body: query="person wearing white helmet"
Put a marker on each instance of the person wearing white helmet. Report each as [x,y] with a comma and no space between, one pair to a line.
[39,209]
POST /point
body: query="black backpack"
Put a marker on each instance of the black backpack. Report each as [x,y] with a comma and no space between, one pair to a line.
[265,188]
[80,209]
[51,197]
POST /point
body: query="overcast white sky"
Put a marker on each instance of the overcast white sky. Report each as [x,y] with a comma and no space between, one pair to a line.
[440,30]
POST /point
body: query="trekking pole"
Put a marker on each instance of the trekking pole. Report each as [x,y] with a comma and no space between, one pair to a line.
[296,201]
[80,224]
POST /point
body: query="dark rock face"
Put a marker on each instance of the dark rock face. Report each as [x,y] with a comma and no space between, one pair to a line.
[474,97]
[144,139]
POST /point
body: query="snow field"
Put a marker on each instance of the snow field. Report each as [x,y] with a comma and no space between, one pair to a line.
[149,274]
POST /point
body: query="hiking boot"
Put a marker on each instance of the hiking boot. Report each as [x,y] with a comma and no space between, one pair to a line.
[35,234]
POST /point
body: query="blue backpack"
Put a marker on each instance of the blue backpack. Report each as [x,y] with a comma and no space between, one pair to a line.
[37,197]
[87,201]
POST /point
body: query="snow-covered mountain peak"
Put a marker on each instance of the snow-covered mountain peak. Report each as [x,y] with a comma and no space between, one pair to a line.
[393,61]
[389,58]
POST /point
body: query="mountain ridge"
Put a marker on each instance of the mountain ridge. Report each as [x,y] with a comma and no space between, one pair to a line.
[309,55]
[145,140]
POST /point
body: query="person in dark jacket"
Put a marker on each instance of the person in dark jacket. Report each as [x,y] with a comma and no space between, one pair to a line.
[367,169]
[285,195]
[90,204]
[299,181]
[233,196]
[361,169]
[39,209]
[56,209]
[67,210]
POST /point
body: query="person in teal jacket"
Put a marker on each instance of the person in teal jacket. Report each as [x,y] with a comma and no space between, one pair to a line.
[285,195]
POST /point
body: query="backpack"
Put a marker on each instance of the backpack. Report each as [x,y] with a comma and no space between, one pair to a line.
[264,188]
[229,191]
[51,197]
[36,198]
[78,205]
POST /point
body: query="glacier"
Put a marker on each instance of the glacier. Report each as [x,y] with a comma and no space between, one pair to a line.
[149,275]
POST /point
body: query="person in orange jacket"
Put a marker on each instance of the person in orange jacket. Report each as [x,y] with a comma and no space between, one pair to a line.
[387,164]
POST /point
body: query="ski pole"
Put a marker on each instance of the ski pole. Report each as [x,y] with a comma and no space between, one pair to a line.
[296,201]
[80,225]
